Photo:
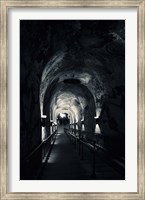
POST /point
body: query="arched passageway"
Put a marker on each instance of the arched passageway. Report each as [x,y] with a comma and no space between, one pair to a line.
[75,86]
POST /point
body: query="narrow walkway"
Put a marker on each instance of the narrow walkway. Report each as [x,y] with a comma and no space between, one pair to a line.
[64,163]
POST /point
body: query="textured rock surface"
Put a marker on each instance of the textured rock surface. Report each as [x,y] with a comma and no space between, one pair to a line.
[89,51]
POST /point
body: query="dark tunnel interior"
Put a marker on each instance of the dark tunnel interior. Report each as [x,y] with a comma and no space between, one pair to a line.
[72,78]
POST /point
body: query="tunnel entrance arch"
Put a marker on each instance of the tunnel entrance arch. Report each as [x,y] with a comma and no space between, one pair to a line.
[75,99]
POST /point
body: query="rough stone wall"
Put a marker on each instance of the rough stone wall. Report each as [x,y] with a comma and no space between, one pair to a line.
[112,121]
[93,46]
[89,121]
[32,61]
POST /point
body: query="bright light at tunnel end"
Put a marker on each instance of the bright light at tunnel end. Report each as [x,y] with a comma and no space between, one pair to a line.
[62,115]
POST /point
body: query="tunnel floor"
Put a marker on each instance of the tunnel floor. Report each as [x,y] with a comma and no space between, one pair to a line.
[65,163]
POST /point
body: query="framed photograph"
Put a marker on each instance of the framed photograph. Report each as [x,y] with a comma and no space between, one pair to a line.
[72,99]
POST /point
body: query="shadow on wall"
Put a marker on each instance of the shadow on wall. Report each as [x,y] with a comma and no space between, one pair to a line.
[112,121]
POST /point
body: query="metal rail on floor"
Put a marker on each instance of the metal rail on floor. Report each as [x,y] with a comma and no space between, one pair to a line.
[31,164]
[80,142]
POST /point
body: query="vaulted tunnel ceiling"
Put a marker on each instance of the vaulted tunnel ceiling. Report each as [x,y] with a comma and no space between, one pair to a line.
[71,98]
[94,59]
[57,53]
[98,80]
